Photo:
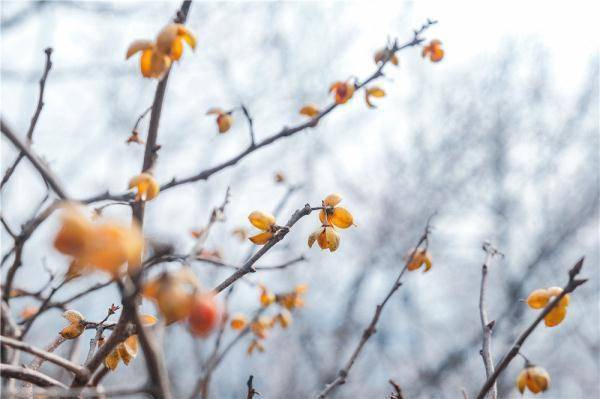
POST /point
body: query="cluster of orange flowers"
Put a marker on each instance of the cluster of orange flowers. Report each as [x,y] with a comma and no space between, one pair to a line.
[331,216]
[534,378]
[343,91]
[158,55]
[261,325]
[100,245]
[539,298]
[178,296]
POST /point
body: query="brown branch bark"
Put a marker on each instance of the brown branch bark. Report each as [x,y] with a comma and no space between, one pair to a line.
[29,376]
[34,118]
[572,284]
[58,360]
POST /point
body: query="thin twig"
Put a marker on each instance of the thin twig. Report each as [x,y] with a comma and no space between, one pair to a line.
[250,125]
[486,325]
[572,284]
[370,330]
[29,376]
[251,390]
[34,118]
[44,171]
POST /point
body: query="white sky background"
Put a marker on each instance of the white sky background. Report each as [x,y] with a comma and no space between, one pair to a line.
[89,116]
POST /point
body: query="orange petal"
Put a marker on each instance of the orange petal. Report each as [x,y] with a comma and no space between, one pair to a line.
[332,200]
[187,35]
[261,238]
[261,220]
[176,49]
[224,122]
[556,316]
[341,218]
[146,63]
[538,298]
[309,110]
[138,45]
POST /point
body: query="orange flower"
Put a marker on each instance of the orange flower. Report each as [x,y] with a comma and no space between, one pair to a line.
[224,119]
[535,378]
[76,326]
[326,237]
[170,40]
[134,138]
[153,63]
[265,222]
[146,185]
[373,92]
[292,300]
[385,54]
[433,50]
[333,214]
[105,246]
[540,298]
[238,322]
[343,91]
[419,258]
[173,293]
[128,349]
[266,296]
[157,56]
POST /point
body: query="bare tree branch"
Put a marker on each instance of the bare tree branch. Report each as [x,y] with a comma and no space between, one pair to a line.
[28,375]
[34,118]
[486,325]
[370,330]
[59,361]
[572,284]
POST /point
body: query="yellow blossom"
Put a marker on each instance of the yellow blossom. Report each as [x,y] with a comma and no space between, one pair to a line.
[105,246]
[266,297]
[174,293]
[433,50]
[224,119]
[170,40]
[419,258]
[343,91]
[540,298]
[265,222]
[333,214]
[238,322]
[534,378]
[157,56]
[326,237]
[146,185]
[76,326]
